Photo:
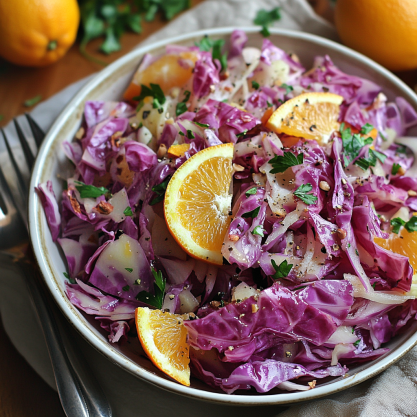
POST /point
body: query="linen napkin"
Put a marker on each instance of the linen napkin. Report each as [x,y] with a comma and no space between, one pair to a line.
[393,393]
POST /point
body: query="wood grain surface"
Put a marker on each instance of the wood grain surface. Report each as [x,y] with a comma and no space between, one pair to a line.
[22,392]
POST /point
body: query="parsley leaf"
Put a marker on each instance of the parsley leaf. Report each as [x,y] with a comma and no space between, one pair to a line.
[352,144]
[288,88]
[255,84]
[258,230]
[411,225]
[126,288]
[356,344]
[129,270]
[32,101]
[190,134]
[282,270]
[401,149]
[301,193]
[252,213]
[216,45]
[128,211]
[282,163]
[90,191]
[180,109]
[264,18]
[71,280]
[160,191]
[251,191]
[365,163]
[154,91]
[242,133]
[366,128]
[201,124]
[157,299]
[395,168]
[396,224]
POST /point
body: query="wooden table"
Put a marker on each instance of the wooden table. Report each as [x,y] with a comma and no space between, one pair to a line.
[22,392]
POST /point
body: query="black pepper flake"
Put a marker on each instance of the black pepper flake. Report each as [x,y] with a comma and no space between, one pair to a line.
[145,114]
[312,127]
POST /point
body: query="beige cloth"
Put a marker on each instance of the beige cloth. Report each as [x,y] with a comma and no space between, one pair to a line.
[391,394]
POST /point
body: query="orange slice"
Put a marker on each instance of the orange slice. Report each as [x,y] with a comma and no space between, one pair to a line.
[177,150]
[309,115]
[164,339]
[167,72]
[198,202]
[403,243]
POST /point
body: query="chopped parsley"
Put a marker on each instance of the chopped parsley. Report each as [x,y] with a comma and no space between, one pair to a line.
[71,280]
[356,344]
[268,104]
[216,46]
[251,214]
[159,190]
[282,163]
[201,124]
[395,168]
[130,270]
[126,288]
[258,231]
[288,88]
[352,144]
[90,191]
[266,17]
[302,193]
[251,191]
[32,101]
[255,85]
[282,270]
[190,134]
[154,91]
[180,109]
[242,133]
[365,163]
[410,226]
[128,211]
[401,149]
[366,128]
[156,300]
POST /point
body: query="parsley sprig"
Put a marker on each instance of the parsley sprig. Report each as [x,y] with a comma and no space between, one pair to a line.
[157,299]
[265,18]
[352,144]
[371,160]
[282,163]
[302,193]
[410,226]
[90,191]
[282,270]
[182,106]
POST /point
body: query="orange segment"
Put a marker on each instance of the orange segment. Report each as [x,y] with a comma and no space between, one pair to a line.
[175,151]
[198,201]
[166,71]
[164,339]
[309,115]
[403,243]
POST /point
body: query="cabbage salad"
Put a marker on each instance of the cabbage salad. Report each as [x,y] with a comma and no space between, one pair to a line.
[304,291]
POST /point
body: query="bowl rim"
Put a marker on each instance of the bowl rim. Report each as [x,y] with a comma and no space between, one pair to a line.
[105,347]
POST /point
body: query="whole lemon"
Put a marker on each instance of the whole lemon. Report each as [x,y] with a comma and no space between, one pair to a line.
[37,32]
[384,30]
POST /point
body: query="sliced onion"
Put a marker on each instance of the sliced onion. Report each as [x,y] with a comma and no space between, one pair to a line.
[343,334]
[383,297]
[188,303]
[242,292]
[340,350]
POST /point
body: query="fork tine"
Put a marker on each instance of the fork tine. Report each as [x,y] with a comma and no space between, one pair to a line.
[37,132]
[22,183]
[30,159]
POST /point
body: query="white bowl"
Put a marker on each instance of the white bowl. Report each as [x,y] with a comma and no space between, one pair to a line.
[51,162]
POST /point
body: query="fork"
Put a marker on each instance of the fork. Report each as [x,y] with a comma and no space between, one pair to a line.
[79,392]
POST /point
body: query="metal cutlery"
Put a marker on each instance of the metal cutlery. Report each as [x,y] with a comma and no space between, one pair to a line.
[79,392]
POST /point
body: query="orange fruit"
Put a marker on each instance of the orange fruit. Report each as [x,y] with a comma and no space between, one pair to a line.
[163,337]
[166,72]
[177,150]
[198,202]
[384,30]
[37,32]
[309,115]
[403,243]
